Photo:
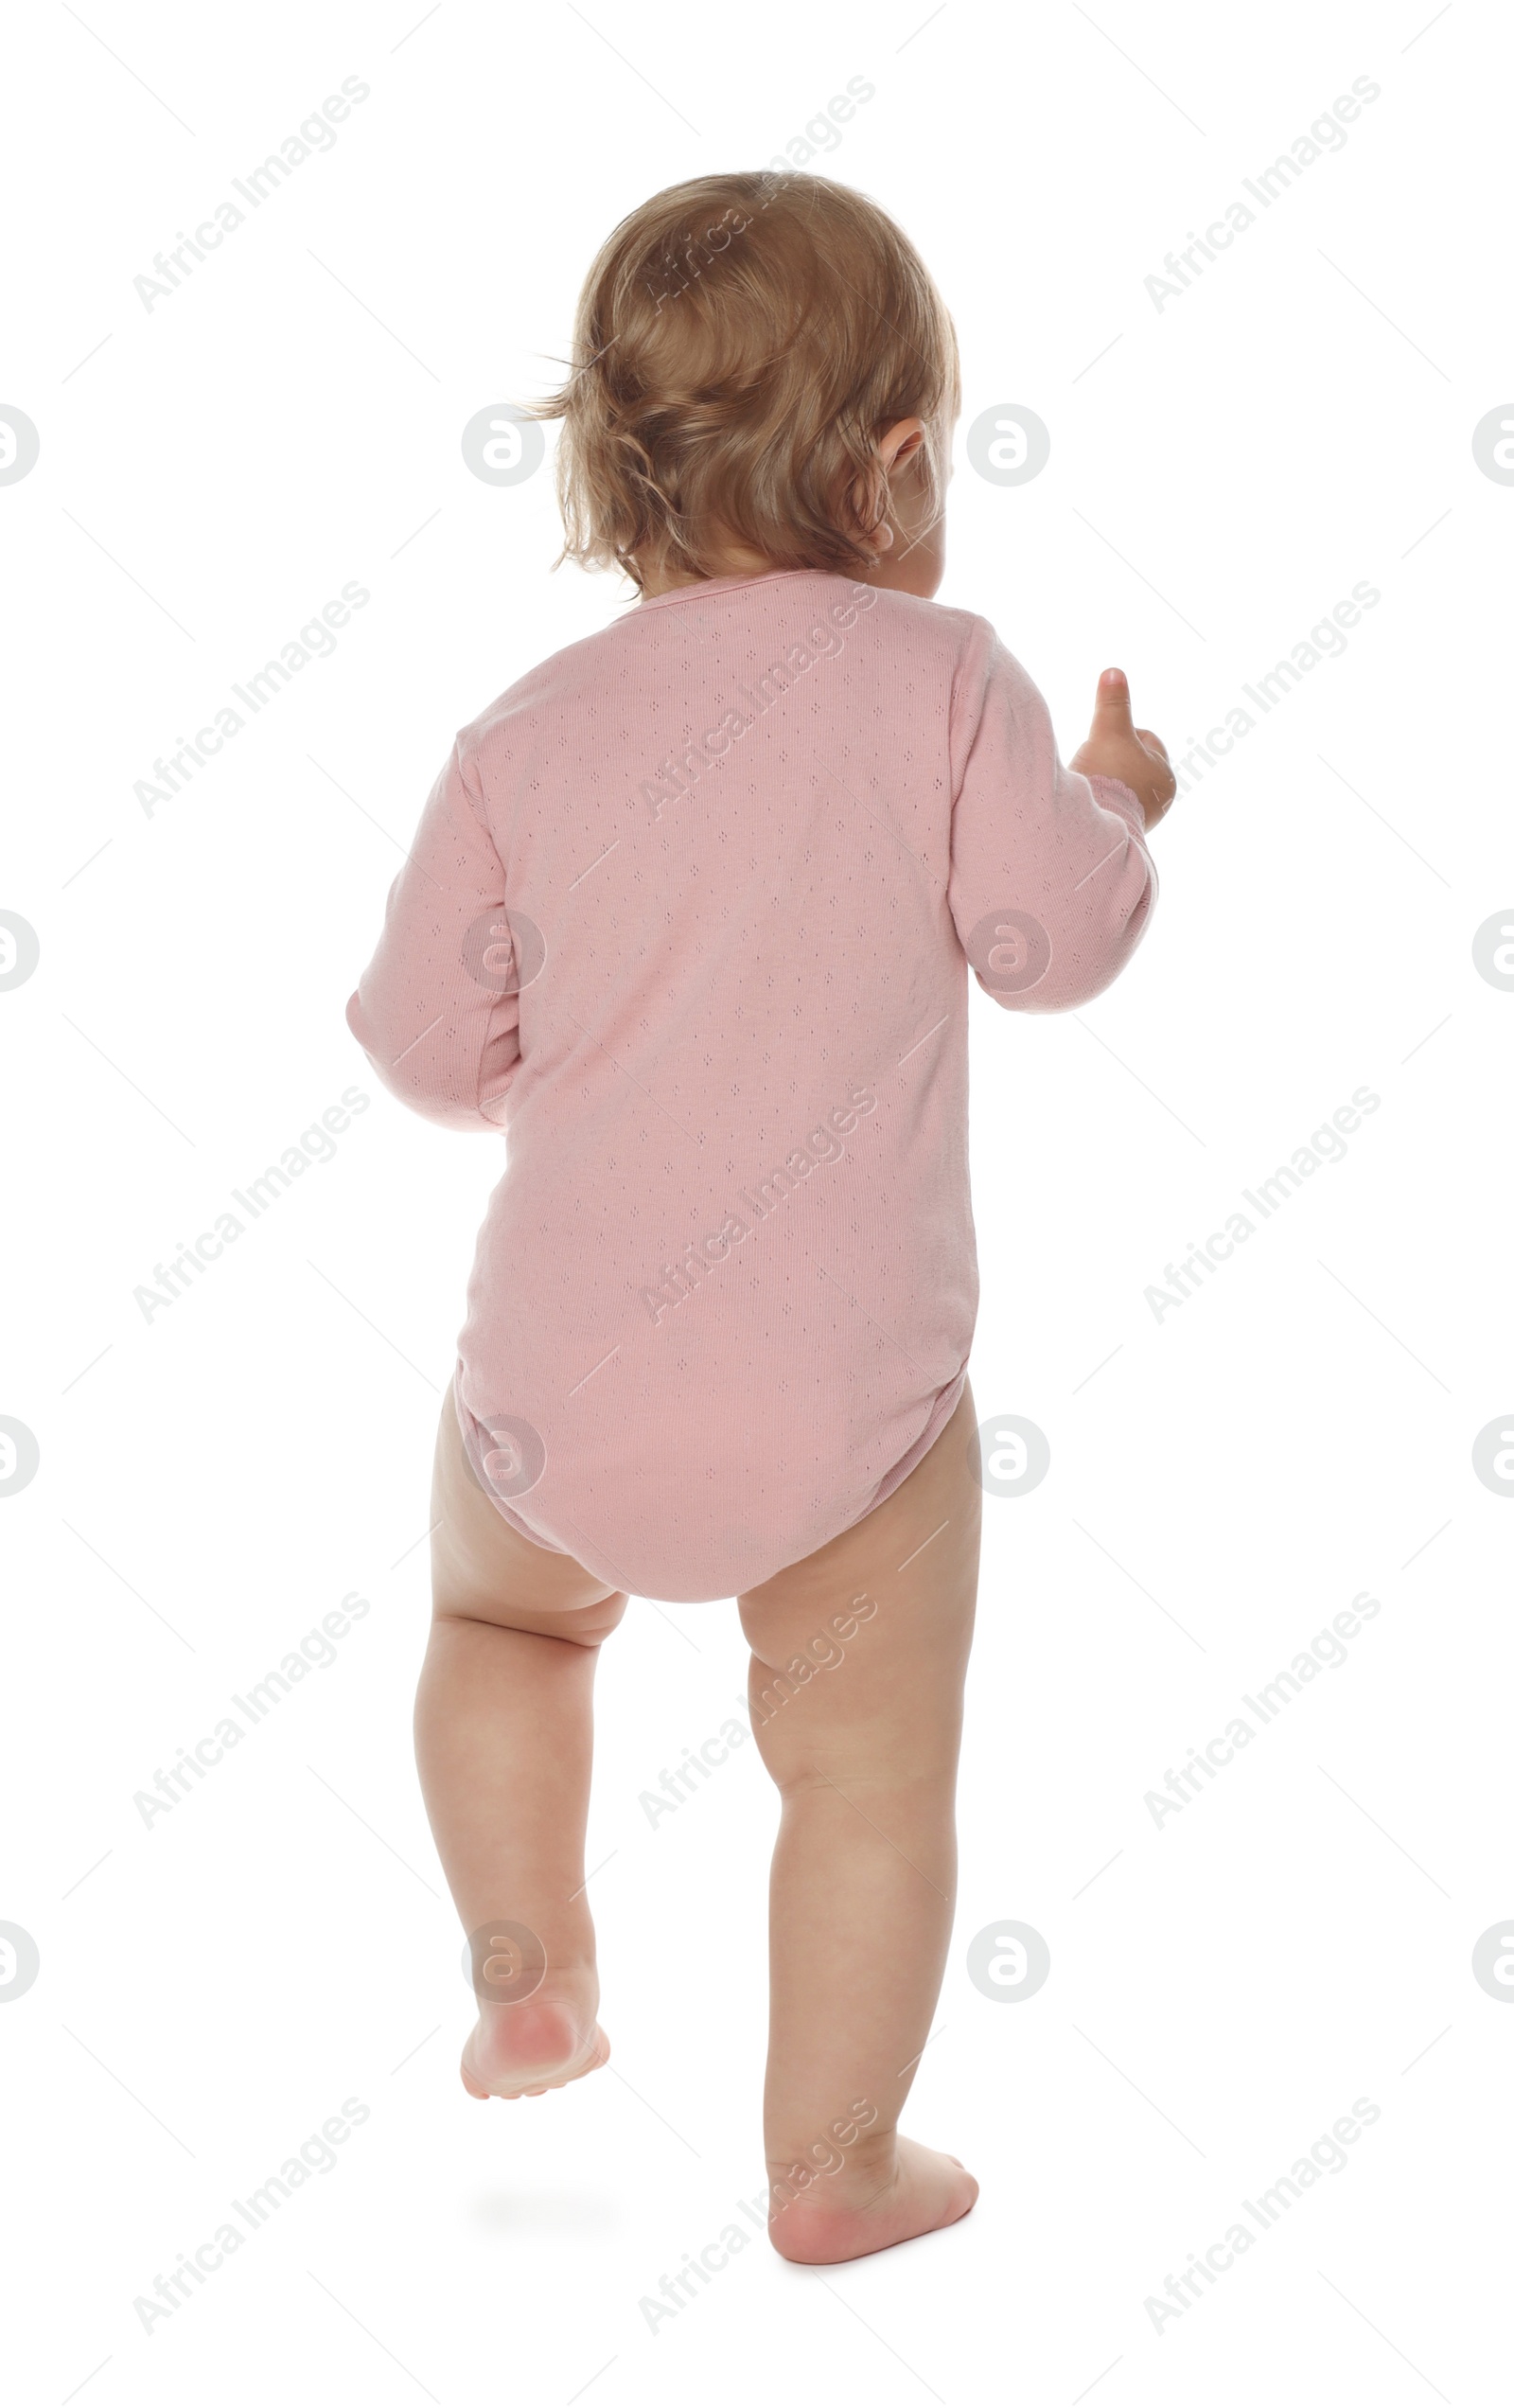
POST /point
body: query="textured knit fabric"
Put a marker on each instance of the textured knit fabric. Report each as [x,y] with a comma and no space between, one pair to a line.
[690,914]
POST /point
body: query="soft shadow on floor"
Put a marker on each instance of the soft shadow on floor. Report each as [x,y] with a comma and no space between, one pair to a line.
[546,2211]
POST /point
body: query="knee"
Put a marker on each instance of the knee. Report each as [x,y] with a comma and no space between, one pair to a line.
[785,1718]
[819,1733]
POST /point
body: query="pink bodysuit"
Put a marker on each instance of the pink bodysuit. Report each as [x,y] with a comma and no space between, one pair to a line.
[690,914]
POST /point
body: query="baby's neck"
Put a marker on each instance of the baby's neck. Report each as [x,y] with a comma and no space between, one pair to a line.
[667,580]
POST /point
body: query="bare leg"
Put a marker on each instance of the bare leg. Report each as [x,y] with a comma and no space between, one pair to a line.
[864,1751]
[504,1737]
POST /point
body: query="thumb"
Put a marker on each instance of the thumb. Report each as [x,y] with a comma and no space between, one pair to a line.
[1112,706]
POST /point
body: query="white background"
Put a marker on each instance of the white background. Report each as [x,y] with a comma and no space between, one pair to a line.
[1222,1482]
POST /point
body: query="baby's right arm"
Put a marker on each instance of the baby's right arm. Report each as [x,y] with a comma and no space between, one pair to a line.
[1051,884]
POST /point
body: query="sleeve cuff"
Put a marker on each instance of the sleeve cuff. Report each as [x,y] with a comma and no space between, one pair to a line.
[1113,794]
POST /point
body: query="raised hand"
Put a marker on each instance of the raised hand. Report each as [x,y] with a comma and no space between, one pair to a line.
[1118,749]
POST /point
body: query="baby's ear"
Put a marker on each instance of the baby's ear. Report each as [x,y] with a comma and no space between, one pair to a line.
[901,442]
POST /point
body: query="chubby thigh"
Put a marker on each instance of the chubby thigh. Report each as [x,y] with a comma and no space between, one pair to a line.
[484,1570]
[860,1650]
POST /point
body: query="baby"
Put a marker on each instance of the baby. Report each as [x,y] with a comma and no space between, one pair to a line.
[690,914]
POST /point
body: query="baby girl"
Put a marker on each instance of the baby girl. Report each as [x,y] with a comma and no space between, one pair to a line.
[690,915]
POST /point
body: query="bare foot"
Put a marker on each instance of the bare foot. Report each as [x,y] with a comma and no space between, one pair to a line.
[519,2052]
[921,2191]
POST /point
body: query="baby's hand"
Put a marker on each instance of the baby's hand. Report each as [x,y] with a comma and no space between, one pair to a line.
[1116,749]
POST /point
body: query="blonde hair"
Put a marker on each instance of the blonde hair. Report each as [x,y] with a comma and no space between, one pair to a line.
[741,344]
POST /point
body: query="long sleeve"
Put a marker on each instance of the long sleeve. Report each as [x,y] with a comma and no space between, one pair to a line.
[1051,884]
[438,1010]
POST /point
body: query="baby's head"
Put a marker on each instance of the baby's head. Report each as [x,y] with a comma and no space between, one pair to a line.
[764,376]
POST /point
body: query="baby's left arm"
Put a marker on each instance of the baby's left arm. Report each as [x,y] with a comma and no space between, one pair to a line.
[438,1010]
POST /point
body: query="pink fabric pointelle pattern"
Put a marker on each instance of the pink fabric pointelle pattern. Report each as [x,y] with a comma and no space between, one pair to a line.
[690,914]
